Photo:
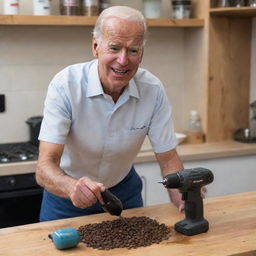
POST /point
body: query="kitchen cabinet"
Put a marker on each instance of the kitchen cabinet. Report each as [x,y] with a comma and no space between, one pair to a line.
[226,79]
[231,175]
[232,163]
[229,61]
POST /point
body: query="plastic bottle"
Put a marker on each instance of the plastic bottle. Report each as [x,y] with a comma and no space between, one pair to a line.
[194,124]
[195,133]
[11,7]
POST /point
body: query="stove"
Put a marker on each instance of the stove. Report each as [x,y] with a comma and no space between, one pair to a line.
[17,152]
[20,195]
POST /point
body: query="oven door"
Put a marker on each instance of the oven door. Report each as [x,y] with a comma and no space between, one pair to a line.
[20,206]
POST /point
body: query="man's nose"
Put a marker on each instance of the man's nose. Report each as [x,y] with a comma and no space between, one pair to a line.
[122,58]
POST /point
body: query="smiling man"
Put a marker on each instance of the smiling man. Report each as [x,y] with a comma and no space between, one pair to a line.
[96,117]
[119,52]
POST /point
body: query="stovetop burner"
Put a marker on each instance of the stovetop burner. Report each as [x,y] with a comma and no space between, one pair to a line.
[16,152]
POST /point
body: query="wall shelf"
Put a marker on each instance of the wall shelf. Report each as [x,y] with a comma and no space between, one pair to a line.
[234,11]
[58,20]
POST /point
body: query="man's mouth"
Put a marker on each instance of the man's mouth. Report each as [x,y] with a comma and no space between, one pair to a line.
[119,71]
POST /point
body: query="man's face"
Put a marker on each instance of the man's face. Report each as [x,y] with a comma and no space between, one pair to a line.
[119,52]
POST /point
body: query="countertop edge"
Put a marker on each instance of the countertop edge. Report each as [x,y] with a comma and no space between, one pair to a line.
[187,152]
[190,152]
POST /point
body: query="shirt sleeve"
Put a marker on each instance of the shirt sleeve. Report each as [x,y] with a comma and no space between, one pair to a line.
[161,131]
[57,115]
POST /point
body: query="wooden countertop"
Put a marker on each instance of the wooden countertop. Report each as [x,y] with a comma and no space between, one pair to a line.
[186,152]
[232,231]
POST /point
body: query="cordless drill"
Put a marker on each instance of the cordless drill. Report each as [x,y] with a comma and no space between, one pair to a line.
[189,182]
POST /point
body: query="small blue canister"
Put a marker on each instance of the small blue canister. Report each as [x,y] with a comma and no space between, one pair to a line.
[65,238]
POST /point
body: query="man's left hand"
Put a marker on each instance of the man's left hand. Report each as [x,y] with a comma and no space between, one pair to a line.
[176,199]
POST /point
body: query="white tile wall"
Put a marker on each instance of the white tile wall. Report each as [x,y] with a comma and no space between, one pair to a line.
[30,56]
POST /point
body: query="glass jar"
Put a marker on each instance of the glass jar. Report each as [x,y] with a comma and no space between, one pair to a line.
[237,3]
[181,9]
[252,3]
[91,7]
[104,4]
[220,3]
[70,7]
[152,9]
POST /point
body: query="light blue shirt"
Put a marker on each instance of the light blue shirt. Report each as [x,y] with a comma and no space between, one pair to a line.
[102,137]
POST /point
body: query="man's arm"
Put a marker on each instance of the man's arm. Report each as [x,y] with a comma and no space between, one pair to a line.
[83,192]
[169,163]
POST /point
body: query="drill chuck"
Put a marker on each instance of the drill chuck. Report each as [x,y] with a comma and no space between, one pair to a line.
[172,181]
[188,179]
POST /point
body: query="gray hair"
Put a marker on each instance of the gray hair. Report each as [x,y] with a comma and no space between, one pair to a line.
[122,12]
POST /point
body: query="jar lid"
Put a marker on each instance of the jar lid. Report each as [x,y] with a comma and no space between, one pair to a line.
[181,2]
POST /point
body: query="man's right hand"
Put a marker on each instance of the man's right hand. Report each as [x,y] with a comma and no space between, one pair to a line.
[84,192]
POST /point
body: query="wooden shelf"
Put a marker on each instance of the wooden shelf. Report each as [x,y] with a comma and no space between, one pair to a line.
[58,20]
[234,11]
[175,22]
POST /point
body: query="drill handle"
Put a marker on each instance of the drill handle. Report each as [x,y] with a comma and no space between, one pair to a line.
[194,209]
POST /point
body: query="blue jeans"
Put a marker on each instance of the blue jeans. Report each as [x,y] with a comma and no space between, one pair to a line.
[128,191]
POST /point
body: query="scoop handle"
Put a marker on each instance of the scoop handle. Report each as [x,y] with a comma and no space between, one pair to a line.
[112,204]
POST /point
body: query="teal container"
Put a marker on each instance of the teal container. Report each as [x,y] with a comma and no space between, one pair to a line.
[65,238]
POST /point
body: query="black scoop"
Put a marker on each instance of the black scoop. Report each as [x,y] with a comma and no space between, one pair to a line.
[112,204]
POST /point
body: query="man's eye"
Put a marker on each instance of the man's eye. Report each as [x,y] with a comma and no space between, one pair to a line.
[114,49]
[133,51]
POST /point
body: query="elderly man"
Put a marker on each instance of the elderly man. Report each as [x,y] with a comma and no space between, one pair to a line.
[96,117]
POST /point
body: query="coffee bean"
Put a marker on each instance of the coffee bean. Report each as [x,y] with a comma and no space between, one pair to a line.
[127,233]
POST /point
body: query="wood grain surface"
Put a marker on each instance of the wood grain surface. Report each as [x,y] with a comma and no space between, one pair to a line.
[229,77]
[232,231]
[62,20]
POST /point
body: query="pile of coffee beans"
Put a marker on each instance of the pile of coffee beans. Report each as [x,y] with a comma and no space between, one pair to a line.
[124,233]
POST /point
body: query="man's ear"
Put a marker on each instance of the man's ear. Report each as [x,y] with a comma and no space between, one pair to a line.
[94,47]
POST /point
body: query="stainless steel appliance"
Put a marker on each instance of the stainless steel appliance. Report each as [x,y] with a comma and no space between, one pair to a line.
[16,152]
[20,195]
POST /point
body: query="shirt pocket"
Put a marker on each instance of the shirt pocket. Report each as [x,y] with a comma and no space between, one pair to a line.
[132,139]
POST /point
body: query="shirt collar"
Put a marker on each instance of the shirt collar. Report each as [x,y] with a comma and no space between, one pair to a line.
[133,89]
[94,86]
